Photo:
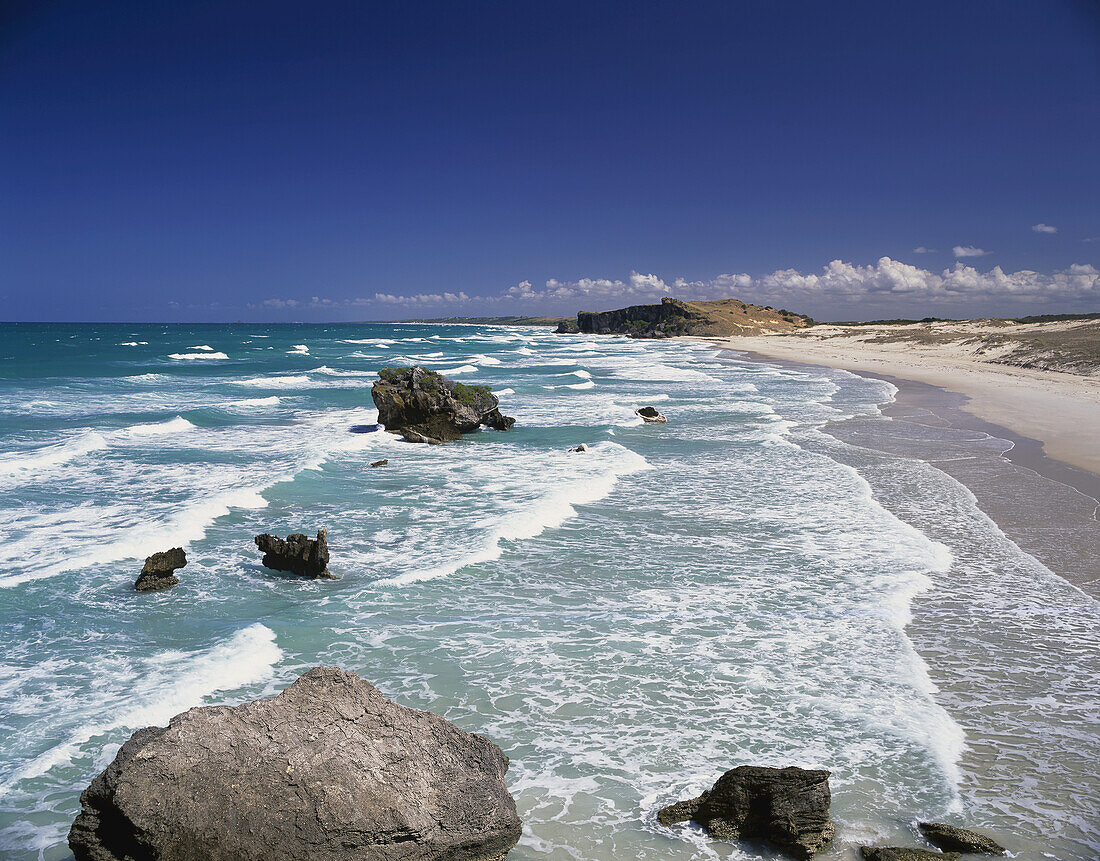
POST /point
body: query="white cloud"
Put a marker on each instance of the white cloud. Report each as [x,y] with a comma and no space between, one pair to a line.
[920,249]
[418,299]
[969,251]
[1044,228]
[887,287]
[839,282]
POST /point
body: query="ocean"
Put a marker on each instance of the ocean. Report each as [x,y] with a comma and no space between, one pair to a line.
[762,580]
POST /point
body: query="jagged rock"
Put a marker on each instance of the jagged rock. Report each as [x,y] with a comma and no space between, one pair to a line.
[785,807]
[903,853]
[582,447]
[423,406]
[328,770]
[567,327]
[410,435]
[959,839]
[650,414]
[158,571]
[306,557]
[382,462]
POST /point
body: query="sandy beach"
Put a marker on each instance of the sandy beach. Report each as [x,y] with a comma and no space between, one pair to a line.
[1059,409]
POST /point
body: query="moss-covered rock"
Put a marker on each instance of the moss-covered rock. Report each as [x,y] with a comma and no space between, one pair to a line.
[424,406]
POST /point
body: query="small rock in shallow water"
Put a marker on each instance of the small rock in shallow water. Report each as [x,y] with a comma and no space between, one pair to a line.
[785,807]
[582,447]
[306,557]
[328,770]
[158,571]
[649,414]
[382,462]
[959,839]
[903,853]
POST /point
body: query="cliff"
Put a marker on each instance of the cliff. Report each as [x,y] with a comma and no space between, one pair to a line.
[722,318]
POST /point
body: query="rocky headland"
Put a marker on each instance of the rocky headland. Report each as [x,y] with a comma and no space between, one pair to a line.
[673,317]
[327,770]
[423,406]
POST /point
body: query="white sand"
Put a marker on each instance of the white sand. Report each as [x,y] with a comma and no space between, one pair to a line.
[1060,410]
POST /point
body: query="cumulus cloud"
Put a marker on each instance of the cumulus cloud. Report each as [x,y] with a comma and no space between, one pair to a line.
[838,282]
[887,287]
[1044,228]
[419,299]
[920,249]
[969,251]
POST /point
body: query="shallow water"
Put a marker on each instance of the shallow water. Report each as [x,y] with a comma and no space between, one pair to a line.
[737,586]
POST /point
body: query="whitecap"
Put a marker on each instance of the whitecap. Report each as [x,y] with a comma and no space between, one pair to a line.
[155,689]
[51,455]
[184,357]
[290,382]
[177,425]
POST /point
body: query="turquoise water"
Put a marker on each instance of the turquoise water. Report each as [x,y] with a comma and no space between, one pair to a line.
[736,586]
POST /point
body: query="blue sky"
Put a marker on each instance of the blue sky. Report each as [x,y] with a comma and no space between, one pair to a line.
[349,160]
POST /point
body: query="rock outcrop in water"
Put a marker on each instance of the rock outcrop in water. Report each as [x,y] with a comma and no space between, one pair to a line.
[787,808]
[650,415]
[959,839]
[159,570]
[328,770]
[306,557]
[903,853]
[424,406]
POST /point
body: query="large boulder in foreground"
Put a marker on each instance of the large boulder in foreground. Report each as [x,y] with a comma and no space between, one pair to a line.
[423,406]
[787,808]
[328,770]
[306,557]
[956,839]
[158,572]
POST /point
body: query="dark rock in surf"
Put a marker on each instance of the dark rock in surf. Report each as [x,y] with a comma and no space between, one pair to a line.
[159,570]
[583,447]
[382,462]
[567,327]
[306,557]
[650,414]
[328,770]
[787,808]
[424,406]
[904,853]
[959,839]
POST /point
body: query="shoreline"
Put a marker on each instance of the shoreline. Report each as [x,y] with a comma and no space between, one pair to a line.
[1059,411]
[1065,538]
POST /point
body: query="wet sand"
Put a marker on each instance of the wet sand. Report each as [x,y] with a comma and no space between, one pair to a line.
[1061,411]
[1050,509]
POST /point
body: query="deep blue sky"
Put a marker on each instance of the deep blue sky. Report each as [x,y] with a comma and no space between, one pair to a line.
[191,160]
